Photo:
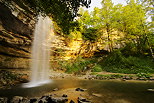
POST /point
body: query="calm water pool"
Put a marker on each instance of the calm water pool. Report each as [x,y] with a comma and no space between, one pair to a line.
[111,91]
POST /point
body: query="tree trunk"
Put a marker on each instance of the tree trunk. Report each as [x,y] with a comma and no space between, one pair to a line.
[109,40]
[146,38]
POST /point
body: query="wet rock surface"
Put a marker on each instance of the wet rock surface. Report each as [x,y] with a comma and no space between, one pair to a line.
[70,96]
[72,101]
[79,89]
[8,78]
[43,99]
[15,37]
[83,100]
[3,100]
[56,89]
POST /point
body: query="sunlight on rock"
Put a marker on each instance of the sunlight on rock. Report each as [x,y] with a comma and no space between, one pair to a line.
[121,101]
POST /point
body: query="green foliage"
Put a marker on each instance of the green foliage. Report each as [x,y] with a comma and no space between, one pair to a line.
[75,35]
[143,75]
[94,73]
[90,34]
[135,33]
[97,68]
[78,65]
[133,18]
[130,50]
[99,25]
[118,63]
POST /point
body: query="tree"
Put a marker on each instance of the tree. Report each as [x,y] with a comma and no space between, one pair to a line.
[107,20]
[118,24]
[133,19]
[100,24]
[63,12]
[86,23]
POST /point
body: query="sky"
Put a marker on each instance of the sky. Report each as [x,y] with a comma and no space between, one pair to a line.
[97,3]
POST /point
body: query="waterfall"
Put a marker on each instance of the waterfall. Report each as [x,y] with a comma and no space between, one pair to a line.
[40,63]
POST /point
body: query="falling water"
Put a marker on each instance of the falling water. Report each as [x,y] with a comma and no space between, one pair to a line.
[41,52]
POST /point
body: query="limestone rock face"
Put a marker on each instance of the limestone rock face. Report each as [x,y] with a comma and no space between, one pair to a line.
[16,36]
[16,31]
[12,23]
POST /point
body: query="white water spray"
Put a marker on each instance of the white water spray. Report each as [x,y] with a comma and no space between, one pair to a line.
[41,52]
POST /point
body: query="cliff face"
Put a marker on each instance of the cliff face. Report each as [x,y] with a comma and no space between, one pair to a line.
[16,30]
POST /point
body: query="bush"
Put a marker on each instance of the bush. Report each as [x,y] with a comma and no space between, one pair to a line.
[118,63]
[97,68]
[143,75]
[78,65]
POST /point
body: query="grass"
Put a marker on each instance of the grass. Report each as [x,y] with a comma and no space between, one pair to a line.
[118,63]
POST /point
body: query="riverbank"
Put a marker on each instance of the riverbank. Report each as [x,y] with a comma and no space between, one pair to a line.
[13,77]
[69,88]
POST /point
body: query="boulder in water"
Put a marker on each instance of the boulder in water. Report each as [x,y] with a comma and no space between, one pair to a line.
[97,95]
[57,100]
[150,90]
[79,89]
[83,100]
[34,100]
[72,101]
[3,100]
[64,95]
[16,99]
[56,89]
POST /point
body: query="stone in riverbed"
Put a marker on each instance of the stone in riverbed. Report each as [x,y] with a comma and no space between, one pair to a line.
[57,100]
[127,78]
[56,89]
[42,101]
[97,95]
[3,100]
[45,97]
[79,89]
[64,95]
[34,100]
[83,100]
[150,90]
[72,101]
[16,99]
[141,78]
[151,78]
